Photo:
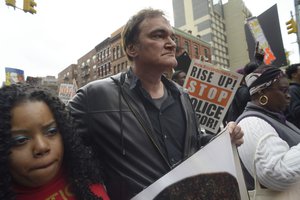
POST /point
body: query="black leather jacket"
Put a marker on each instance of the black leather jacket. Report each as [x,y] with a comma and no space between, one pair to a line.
[111,118]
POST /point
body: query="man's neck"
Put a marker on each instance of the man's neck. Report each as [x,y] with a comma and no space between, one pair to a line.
[151,82]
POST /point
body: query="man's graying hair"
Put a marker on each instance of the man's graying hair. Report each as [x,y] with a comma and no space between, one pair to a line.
[131,30]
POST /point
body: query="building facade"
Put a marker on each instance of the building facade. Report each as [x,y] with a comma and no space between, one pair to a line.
[103,58]
[108,57]
[68,74]
[213,22]
[235,14]
[87,68]
[193,45]
[206,19]
[119,60]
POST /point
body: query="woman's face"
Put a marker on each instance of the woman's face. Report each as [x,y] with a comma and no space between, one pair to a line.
[278,95]
[37,154]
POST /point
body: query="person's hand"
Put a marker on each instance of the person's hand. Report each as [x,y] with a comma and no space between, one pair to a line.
[236,133]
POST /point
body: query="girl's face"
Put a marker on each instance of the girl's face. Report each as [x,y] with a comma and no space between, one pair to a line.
[37,154]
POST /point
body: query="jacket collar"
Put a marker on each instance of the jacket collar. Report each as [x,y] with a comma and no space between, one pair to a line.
[134,82]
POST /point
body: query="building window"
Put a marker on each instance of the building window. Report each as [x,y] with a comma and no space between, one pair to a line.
[115,69]
[206,53]
[187,46]
[100,56]
[102,71]
[107,52]
[114,54]
[118,52]
[196,51]
[94,69]
[94,58]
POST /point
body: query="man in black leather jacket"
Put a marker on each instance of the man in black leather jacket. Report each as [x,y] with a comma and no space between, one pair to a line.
[140,124]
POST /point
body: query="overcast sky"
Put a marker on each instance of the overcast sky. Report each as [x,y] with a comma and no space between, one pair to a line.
[63,31]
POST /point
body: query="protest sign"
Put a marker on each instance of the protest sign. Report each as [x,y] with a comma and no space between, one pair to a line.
[211,173]
[13,76]
[67,91]
[259,36]
[211,90]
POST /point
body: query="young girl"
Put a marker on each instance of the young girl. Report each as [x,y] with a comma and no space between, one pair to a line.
[41,156]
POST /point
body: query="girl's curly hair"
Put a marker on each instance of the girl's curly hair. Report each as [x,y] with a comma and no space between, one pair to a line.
[79,163]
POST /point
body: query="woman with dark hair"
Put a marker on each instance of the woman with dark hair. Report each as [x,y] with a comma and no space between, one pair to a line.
[271,150]
[41,156]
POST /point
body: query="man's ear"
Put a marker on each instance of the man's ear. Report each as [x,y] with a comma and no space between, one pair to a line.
[131,50]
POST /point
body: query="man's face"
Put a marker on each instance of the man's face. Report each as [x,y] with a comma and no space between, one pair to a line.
[155,48]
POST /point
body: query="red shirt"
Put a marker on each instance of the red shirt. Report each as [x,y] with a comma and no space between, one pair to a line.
[57,189]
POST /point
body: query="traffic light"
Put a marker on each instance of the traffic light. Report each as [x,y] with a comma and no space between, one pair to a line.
[28,6]
[11,3]
[291,26]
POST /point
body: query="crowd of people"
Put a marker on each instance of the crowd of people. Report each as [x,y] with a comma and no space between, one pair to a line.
[120,134]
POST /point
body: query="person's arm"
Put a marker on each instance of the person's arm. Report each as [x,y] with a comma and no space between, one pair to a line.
[277,165]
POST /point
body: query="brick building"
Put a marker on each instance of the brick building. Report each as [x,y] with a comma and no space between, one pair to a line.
[108,57]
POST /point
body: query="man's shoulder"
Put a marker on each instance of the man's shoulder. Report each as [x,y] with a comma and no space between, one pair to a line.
[97,94]
[294,86]
[101,83]
[98,89]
